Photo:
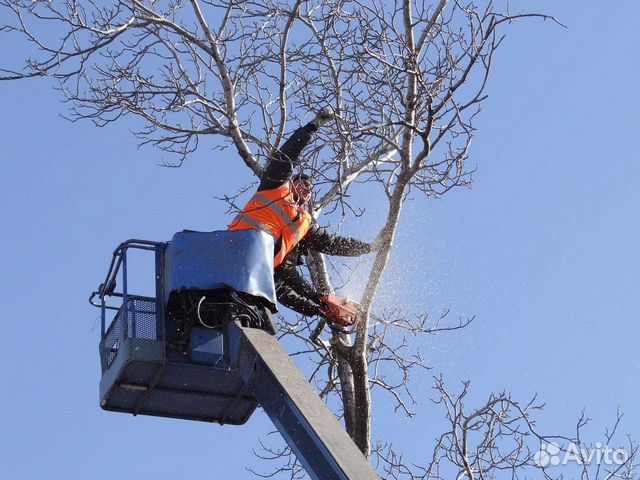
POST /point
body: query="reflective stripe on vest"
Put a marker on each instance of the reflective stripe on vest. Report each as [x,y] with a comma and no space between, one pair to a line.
[293,222]
[254,223]
[266,211]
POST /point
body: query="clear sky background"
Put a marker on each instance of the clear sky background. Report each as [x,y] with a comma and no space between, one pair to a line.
[543,250]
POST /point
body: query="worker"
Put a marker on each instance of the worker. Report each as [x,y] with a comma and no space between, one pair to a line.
[279,208]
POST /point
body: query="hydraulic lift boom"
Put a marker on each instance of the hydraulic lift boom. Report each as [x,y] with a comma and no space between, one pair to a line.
[311,430]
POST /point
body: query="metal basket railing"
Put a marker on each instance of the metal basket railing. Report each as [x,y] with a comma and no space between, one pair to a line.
[137,317]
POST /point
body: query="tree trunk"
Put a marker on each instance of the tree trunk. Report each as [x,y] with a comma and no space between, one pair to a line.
[362,425]
[322,283]
[359,363]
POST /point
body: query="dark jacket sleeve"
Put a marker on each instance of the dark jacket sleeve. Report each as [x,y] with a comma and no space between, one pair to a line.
[280,166]
[294,292]
[319,240]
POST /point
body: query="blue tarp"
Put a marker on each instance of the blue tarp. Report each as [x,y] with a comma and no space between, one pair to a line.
[242,260]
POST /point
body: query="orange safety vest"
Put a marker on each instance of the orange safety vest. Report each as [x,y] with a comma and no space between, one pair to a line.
[276,213]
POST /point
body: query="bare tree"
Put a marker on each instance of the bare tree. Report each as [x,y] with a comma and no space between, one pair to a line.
[406,79]
[500,439]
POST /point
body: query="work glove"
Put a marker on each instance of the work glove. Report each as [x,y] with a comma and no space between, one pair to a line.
[323,301]
[323,117]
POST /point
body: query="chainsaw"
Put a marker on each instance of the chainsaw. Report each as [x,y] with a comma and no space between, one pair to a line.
[340,312]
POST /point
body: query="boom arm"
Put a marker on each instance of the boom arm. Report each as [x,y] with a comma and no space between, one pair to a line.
[307,425]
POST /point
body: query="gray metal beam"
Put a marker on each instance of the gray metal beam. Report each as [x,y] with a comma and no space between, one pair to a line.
[320,443]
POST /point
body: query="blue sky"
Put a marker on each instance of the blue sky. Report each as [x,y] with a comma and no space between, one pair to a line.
[543,250]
